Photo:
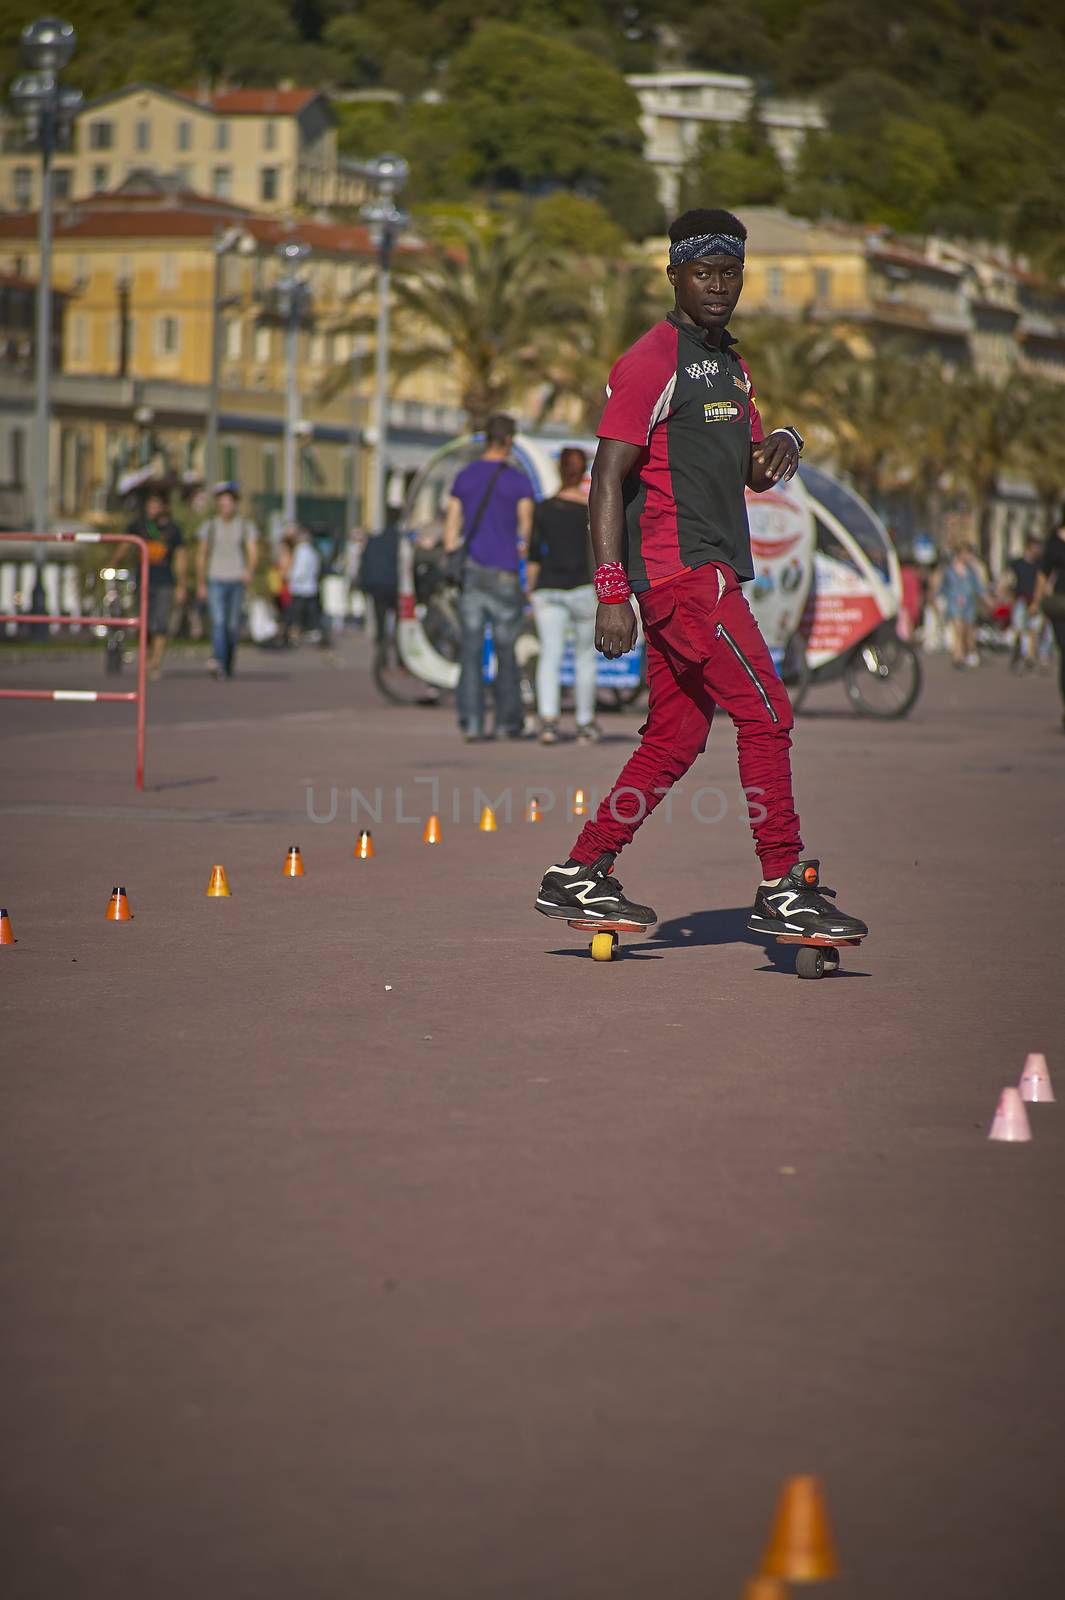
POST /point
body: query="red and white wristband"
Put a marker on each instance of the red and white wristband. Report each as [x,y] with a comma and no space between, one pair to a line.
[611,584]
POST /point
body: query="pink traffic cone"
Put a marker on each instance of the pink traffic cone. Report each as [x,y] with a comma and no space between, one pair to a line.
[1011,1119]
[1035,1084]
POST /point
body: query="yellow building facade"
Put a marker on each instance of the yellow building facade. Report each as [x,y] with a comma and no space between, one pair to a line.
[272,150]
[138,274]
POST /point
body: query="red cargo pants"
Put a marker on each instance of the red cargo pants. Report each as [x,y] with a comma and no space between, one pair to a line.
[704,650]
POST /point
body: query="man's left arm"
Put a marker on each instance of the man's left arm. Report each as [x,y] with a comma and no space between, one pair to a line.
[525,521]
[774,457]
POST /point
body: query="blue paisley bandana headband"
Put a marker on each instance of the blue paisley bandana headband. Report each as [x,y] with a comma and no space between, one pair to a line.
[706,244]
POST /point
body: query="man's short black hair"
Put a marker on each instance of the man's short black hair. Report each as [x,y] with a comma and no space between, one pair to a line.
[500,428]
[691,224]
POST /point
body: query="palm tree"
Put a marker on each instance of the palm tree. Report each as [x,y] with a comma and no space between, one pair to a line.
[1041,445]
[792,362]
[619,304]
[488,307]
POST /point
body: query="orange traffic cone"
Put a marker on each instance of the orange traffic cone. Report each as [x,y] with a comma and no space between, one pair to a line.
[6,936]
[118,907]
[800,1541]
[432,834]
[533,812]
[488,823]
[364,850]
[219,884]
[759,1588]
[293,867]
[580,805]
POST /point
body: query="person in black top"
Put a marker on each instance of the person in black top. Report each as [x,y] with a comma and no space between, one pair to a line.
[563,597]
[1050,593]
[1022,575]
[166,569]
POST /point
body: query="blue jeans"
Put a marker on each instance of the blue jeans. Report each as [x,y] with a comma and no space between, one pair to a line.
[225,602]
[490,595]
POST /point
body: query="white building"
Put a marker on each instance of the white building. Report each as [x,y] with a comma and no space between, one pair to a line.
[676,106]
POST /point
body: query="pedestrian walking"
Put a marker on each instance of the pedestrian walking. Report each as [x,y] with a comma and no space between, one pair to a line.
[559,576]
[961,593]
[226,559]
[304,576]
[166,571]
[1022,577]
[489,516]
[1050,594]
[679,441]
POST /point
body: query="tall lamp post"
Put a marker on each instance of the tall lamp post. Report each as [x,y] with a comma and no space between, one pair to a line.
[294,301]
[226,240]
[386,221]
[48,112]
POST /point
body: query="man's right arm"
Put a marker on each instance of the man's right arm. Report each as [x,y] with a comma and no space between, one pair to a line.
[453,524]
[202,543]
[615,625]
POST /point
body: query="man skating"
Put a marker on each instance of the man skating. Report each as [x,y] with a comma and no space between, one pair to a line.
[679,440]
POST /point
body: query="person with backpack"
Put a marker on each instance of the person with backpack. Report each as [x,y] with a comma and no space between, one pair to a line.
[226,558]
[489,515]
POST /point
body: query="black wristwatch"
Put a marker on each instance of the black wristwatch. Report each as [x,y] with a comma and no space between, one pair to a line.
[800,442]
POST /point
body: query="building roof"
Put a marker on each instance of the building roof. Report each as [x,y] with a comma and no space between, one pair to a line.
[771,232]
[198,218]
[261,102]
[224,102]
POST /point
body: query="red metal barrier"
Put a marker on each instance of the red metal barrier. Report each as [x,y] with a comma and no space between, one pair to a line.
[140,622]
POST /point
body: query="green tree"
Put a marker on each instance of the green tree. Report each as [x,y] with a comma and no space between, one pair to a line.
[733,166]
[570,224]
[621,301]
[488,306]
[539,112]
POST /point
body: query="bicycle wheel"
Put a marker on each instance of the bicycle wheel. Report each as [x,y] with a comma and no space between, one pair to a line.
[883,678]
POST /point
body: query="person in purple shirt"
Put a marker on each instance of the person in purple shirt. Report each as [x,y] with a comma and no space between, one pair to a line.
[490,511]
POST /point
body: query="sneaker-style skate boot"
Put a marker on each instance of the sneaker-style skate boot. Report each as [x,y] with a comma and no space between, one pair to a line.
[590,894]
[797,904]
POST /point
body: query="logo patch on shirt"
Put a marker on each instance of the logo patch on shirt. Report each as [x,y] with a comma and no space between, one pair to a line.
[723,411]
[704,369]
[741,383]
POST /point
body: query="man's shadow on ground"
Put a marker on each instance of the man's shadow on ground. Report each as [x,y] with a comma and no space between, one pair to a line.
[703,928]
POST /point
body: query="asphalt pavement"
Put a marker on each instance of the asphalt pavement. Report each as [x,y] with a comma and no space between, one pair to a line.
[362,1237]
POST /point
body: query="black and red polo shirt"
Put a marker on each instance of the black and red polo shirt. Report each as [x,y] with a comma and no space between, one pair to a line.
[690,406]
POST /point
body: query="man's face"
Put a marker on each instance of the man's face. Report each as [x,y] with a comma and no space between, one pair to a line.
[226,505]
[707,289]
[154,507]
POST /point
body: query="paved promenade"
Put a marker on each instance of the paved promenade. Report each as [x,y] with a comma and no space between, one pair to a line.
[364,1240]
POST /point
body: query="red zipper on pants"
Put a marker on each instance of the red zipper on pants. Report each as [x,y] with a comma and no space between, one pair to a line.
[723,633]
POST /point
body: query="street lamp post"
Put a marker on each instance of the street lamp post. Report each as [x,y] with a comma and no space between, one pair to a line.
[354,435]
[386,221]
[226,240]
[48,112]
[294,299]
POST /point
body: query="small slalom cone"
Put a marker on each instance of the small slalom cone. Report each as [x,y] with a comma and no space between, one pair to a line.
[118,907]
[433,833]
[1035,1084]
[800,1541]
[293,867]
[533,812]
[580,804]
[761,1588]
[6,936]
[364,850]
[488,822]
[219,884]
[1011,1119]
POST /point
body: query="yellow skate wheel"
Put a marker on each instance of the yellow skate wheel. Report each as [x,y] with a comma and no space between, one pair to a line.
[603,946]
